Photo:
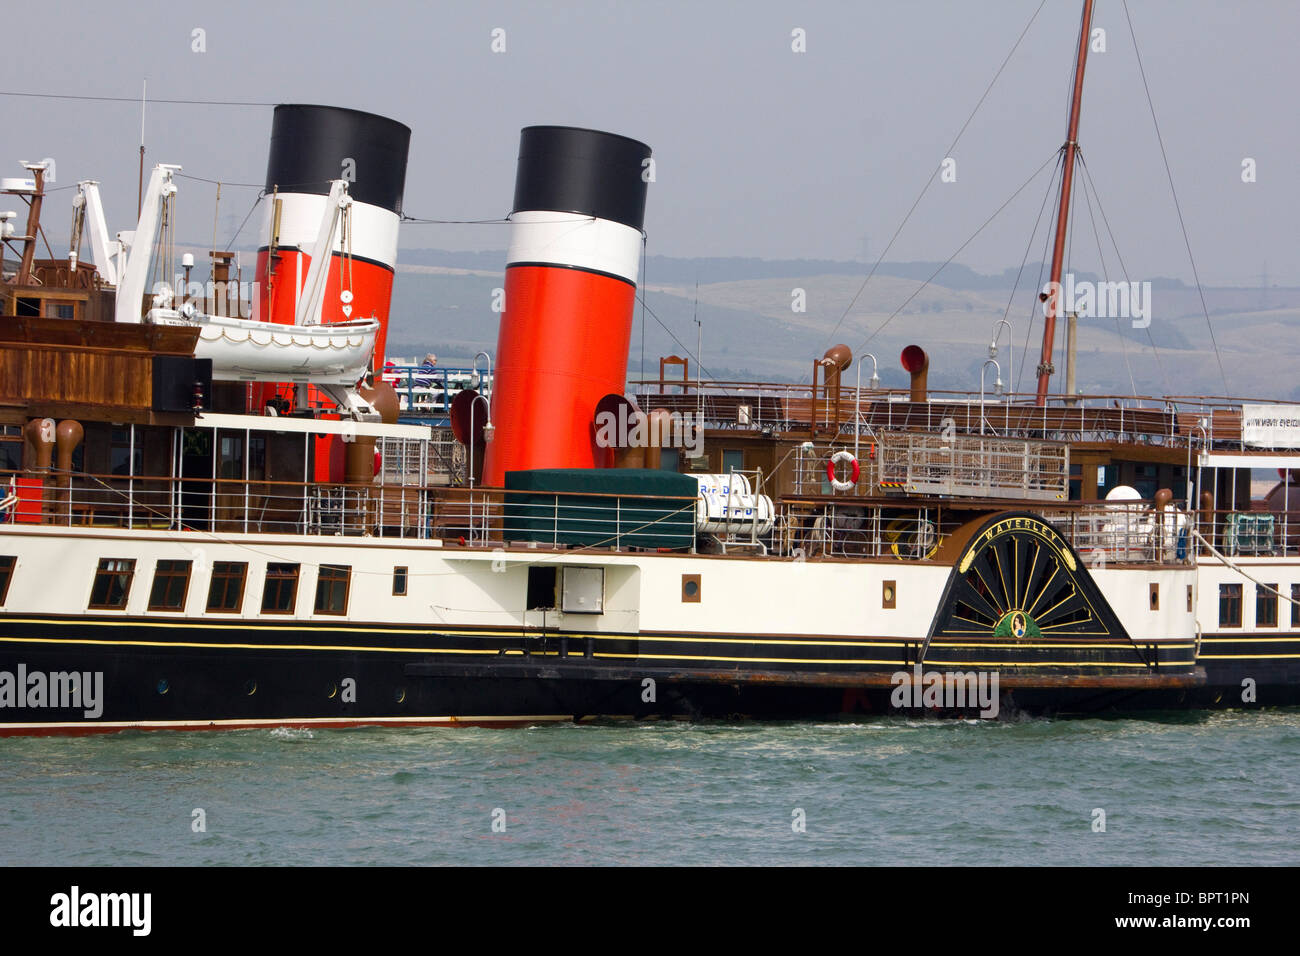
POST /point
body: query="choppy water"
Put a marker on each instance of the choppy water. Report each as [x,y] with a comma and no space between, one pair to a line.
[1221,788]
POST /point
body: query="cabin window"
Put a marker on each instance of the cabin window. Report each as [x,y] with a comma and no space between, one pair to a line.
[11,448]
[280,592]
[889,595]
[7,562]
[112,583]
[691,588]
[60,310]
[230,457]
[171,581]
[126,453]
[541,587]
[332,584]
[256,457]
[399,581]
[28,308]
[1266,605]
[1295,605]
[732,458]
[226,590]
[1229,605]
[1145,480]
[1154,597]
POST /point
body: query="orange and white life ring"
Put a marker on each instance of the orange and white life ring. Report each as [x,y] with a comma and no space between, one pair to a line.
[855,471]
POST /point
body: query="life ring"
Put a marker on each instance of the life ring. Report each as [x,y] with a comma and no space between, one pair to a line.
[855,471]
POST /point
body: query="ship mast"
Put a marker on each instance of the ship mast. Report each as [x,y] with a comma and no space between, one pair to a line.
[1045,367]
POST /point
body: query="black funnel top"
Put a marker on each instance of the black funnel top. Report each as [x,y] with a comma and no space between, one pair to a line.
[311,144]
[584,171]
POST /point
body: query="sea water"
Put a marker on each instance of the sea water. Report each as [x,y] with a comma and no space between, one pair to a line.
[1187,789]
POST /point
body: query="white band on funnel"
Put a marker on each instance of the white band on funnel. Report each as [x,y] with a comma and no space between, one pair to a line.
[569,239]
[374,229]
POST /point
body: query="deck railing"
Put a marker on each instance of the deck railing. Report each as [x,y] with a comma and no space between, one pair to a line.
[1171,421]
[804,527]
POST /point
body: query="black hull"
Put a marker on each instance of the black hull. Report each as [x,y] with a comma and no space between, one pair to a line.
[219,677]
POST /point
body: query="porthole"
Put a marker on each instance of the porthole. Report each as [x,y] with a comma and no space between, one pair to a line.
[250,687]
[332,691]
[400,696]
[163,686]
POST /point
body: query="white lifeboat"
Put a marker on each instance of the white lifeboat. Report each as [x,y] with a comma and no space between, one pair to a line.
[248,350]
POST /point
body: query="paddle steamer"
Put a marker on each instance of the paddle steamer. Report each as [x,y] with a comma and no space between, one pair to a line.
[218,520]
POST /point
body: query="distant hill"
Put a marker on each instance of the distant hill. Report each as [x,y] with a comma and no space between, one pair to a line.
[442,302]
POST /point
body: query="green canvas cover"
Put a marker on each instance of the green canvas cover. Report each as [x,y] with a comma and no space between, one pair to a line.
[601,507]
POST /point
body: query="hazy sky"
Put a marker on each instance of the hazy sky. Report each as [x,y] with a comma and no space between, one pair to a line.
[760,151]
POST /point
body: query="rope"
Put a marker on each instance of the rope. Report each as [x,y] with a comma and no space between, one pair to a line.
[1236,567]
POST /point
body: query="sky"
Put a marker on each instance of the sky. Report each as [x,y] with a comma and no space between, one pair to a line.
[760,150]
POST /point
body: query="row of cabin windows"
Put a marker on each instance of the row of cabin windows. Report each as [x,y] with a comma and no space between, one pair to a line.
[171,581]
[1266,600]
[225,587]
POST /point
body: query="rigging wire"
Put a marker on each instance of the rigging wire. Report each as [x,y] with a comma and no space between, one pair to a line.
[1068,264]
[1015,286]
[1042,265]
[217,182]
[643,282]
[971,238]
[256,202]
[930,180]
[1177,206]
[416,221]
[130,99]
[1105,274]
[645,307]
[1155,350]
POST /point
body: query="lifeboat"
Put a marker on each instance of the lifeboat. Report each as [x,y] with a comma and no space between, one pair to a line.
[249,350]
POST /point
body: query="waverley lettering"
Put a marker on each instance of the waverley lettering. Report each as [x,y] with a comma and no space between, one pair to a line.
[55,690]
[949,690]
[103,909]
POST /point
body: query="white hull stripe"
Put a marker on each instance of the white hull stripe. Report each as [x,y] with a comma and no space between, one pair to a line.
[568,239]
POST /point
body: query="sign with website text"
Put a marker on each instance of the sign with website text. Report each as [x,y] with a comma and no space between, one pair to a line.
[1270,426]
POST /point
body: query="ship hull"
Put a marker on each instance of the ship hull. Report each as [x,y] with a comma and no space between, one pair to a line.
[166,675]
